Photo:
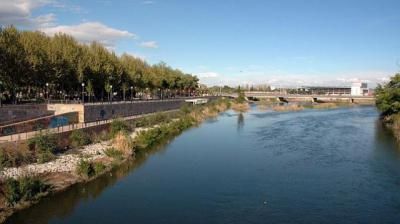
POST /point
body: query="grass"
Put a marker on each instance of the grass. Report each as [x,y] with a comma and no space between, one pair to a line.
[88,169]
[44,145]
[79,138]
[23,189]
[123,142]
[117,126]
[240,107]
[113,153]
[14,158]
[285,108]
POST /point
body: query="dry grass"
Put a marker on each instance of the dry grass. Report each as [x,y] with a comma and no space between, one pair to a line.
[290,107]
[240,107]
[325,106]
[123,143]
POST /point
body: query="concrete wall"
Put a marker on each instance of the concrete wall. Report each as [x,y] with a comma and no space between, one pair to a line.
[53,121]
[108,111]
[16,113]
[67,108]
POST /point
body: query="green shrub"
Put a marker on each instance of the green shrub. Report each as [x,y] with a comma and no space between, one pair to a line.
[113,153]
[45,145]
[99,167]
[118,125]
[153,119]
[89,169]
[186,108]
[24,188]
[85,168]
[79,138]
[14,158]
[11,191]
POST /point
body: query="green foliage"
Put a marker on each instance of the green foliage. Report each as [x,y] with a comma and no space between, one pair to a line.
[186,108]
[241,96]
[99,167]
[151,137]
[154,119]
[388,96]
[118,125]
[85,168]
[45,145]
[29,60]
[25,188]
[89,169]
[13,158]
[79,138]
[113,153]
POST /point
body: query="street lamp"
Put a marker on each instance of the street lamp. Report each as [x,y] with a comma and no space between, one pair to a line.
[47,93]
[111,93]
[131,93]
[83,92]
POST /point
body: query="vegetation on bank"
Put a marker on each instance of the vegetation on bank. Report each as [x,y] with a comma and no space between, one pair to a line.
[388,103]
[22,189]
[157,128]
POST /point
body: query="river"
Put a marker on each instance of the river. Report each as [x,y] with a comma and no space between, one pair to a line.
[313,166]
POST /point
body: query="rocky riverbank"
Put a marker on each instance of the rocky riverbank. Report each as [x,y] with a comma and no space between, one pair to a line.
[98,158]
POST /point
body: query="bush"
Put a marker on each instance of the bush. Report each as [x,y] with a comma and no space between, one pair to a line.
[113,153]
[153,119]
[25,188]
[12,158]
[11,191]
[45,145]
[123,142]
[99,167]
[85,168]
[89,169]
[117,126]
[79,138]
[388,96]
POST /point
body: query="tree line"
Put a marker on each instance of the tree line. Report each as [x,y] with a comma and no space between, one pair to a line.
[36,66]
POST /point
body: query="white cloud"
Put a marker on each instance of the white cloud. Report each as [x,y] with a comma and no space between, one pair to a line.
[207,75]
[91,31]
[285,79]
[19,12]
[149,44]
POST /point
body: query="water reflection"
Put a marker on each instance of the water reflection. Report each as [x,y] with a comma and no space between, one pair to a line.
[240,121]
[81,192]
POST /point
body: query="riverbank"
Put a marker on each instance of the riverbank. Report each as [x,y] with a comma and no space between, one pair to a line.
[89,161]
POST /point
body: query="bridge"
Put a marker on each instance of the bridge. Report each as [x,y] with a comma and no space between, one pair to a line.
[305,98]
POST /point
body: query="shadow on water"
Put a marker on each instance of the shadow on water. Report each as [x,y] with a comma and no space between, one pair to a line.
[49,207]
[240,121]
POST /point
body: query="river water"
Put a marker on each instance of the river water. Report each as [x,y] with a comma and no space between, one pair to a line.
[313,166]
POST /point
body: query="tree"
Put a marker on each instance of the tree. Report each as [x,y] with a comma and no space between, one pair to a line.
[89,89]
[388,96]
[124,89]
[241,96]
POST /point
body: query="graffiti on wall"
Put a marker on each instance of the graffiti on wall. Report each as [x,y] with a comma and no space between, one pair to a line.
[40,124]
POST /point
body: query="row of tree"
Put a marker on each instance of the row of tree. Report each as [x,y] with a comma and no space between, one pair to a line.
[34,65]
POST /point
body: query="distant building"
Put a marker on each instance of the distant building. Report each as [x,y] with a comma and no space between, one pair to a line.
[359,89]
[356,89]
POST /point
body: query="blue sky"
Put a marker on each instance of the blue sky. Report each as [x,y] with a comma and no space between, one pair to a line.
[281,42]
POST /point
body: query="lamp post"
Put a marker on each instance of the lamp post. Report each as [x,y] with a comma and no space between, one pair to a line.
[47,93]
[111,93]
[83,92]
[131,93]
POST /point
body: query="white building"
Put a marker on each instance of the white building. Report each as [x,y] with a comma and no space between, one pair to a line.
[359,89]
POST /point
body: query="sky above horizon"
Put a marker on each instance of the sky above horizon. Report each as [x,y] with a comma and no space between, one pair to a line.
[234,42]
